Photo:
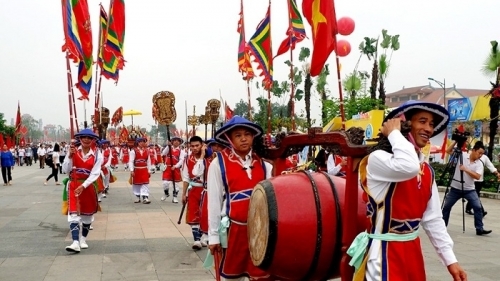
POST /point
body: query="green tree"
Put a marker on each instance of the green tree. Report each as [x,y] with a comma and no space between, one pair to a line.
[368,47]
[491,67]
[388,42]
[32,126]
[321,83]
[352,106]
[241,109]
[306,71]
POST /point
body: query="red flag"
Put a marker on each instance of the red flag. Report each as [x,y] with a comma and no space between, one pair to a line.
[229,112]
[1,140]
[18,119]
[321,16]
[8,142]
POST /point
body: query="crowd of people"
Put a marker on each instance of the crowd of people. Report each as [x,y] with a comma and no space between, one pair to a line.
[217,177]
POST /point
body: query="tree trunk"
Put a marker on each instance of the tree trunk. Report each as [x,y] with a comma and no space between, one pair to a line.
[373,86]
[323,113]
[381,92]
[494,107]
[307,98]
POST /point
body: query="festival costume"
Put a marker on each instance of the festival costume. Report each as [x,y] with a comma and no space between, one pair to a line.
[159,159]
[193,172]
[140,164]
[114,157]
[401,197]
[125,156]
[230,183]
[83,170]
[172,179]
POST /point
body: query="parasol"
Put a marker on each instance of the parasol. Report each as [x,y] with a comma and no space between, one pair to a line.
[131,113]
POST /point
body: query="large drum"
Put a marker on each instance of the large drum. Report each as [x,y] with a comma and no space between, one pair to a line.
[295,225]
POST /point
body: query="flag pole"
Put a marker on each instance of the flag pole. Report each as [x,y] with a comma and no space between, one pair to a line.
[186,108]
[341,98]
[250,117]
[269,91]
[292,84]
[98,83]
[74,106]
[68,77]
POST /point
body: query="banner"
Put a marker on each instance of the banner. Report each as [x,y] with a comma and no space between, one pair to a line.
[460,109]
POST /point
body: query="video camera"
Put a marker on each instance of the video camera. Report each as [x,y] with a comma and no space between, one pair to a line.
[460,137]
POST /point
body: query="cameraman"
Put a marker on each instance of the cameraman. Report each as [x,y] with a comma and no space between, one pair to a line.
[479,183]
[472,169]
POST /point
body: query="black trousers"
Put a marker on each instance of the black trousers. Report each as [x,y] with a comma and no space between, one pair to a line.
[6,175]
[478,185]
[55,171]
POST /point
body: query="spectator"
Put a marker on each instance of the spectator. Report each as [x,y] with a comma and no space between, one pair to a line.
[7,162]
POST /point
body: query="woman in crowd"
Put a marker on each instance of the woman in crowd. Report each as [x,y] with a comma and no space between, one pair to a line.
[7,162]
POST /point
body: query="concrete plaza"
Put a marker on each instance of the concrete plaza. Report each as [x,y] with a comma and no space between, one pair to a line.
[144,242]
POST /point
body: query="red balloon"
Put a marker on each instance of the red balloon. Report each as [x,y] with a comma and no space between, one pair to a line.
[345,26]
[343,48]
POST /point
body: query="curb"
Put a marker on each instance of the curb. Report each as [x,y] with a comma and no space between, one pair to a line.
[490,195]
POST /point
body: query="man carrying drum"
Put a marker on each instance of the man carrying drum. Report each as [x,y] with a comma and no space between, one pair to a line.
[232,176]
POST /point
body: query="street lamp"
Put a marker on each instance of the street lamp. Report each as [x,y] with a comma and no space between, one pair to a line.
[443,85]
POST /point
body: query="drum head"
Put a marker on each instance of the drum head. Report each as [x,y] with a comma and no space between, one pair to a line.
[258,225]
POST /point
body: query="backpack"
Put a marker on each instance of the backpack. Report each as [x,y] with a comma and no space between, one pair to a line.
[49,161]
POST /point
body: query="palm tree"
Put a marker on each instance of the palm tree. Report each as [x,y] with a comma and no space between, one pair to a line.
[352,84]
[369,49]
[388,42]
[306,70]
[491,67]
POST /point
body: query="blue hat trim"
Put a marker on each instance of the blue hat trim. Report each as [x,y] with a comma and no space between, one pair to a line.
[426,106]
[86,133]
[236,121]
[177,138]
[140,139]
[211,141]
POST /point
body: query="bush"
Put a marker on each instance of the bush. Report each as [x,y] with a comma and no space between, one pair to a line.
[490,180]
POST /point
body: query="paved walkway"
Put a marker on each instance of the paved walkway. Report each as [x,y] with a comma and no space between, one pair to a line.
[143,242]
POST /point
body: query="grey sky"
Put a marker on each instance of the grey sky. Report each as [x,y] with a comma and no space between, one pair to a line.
[190,48]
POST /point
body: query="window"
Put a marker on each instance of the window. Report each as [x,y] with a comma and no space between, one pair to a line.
[394,99]
[404,98]
[414,97]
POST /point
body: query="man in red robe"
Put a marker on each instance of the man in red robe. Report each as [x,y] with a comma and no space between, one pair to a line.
[402,197]
[83,165]
[232,175]
[140,168]
[193,177]
[174,158]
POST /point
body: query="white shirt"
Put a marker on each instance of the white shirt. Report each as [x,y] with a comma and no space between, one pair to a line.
[182,156]
[216,191]
[132,159]
[487,163]
[476,166]
[67,166]
[331,168]
[107,165]
[198,170]
[41,151]
[384,168]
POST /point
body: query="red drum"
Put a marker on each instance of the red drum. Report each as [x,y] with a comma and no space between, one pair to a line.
[295,225]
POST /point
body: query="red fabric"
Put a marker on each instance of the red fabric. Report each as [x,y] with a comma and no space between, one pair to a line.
[18,119]
[152,153]
[141,173]
[86,202]
[114,155]
[125,155]
[106,153]
[158,155]
[338,159]
[167,174]
[193,214]
[291,161]
[324,35]
[204,212]
[408,201]
[236,259]
[229,112]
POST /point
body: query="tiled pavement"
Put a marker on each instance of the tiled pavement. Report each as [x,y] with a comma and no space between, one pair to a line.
[144,242]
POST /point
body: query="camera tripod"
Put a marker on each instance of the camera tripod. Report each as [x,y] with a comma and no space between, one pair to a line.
[450,169]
